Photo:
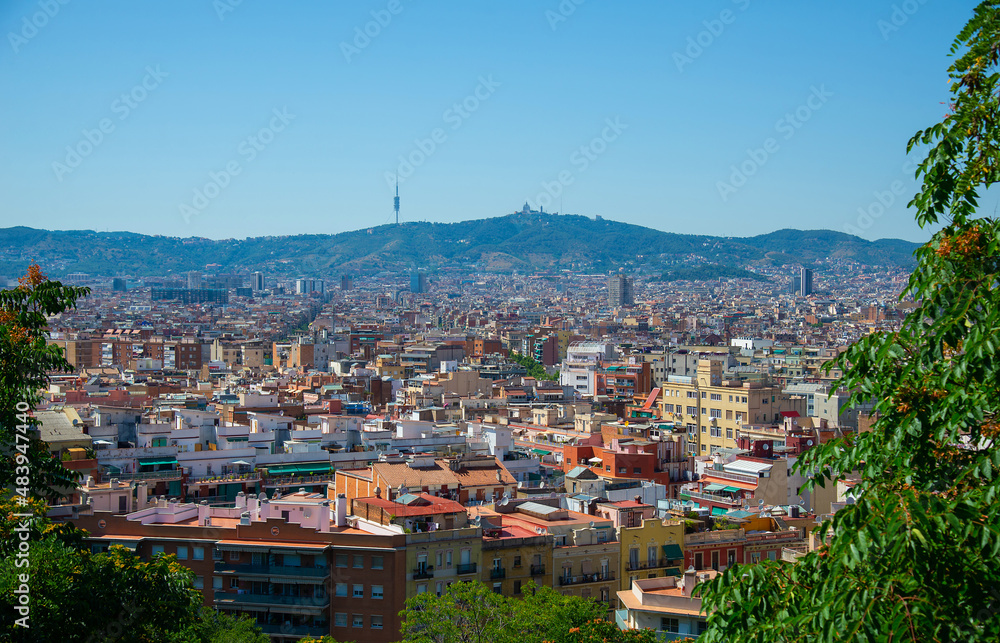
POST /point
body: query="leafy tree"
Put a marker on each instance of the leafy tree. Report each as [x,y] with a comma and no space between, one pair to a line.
[915,559]
[535,369]
[25,361]
[472,612]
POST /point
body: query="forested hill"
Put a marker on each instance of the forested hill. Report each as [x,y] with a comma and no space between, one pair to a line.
[523,242]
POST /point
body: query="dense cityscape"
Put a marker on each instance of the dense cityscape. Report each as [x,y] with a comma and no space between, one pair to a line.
[320,449]
[279,362]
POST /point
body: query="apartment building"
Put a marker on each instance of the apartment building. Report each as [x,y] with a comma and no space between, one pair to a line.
[713,410]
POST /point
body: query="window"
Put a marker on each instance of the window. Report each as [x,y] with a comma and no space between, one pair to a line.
[341,560]
[729,433]
[422,588]
[437,589]
[755,557]
[692,410]
[182,552]
[217,582]
[622,469]
[340,619]
[716,397]
[216,554]
[359,591]
[447,558]
[517,561]
[234,583]
[377,562]
[699,562]
[704,429]
[772,555]
[376,591]
[498,588]
[358,620]
[729,415]
[157,549]
[730,398]
[234,556]
[651,554]
[669,625]
[716,413]
[198,553]
[440,558]
[359,562]
[704,411]
[340,589]
[716,432]
[704,395]
[636,470]
[199,582]
[376,621]
[607,468]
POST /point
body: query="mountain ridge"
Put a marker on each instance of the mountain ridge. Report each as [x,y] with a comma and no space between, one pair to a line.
[520,241]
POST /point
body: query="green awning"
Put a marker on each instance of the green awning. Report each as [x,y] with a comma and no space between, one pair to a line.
[715,487]
[305,467]
[672,552]
[150,462]
[541,451]
[672,571]
[719,511]
[733,489]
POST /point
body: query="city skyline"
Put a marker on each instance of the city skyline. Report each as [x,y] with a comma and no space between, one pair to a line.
[271,122]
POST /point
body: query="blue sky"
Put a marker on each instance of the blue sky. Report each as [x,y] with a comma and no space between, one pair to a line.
[252,118]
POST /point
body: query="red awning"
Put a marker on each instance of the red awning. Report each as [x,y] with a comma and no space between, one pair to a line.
[652,398]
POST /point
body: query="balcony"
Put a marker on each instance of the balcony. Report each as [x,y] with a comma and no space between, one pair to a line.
[467,568]
[538,570]
[291,603]
[318,573]
[697,495]
[421,573]
[294,630]
[498,573]
[585,578]
[654,564]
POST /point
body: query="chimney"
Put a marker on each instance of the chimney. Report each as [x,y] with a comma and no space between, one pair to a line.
[690,580]
[142,499]
[265,509]
[638,499]
[114,483]
[90,482]
[324,517]
[241,500]
[340,509]
[245,519]
[203,512]
[252,505]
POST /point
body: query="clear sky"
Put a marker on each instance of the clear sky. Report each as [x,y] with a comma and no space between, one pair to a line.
[253,117]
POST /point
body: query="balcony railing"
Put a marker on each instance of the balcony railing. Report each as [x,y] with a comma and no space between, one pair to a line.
[314,631]
[272,570]
[496,573]
[654,564]
[468,568]
[586,578]
[299,603]
[423,572]
[538,570]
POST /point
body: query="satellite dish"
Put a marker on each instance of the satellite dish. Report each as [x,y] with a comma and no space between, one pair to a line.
[592,524]
[809,443]
[503,501]
[765,446]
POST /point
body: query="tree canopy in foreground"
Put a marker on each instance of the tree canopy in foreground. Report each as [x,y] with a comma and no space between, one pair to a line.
[915,558]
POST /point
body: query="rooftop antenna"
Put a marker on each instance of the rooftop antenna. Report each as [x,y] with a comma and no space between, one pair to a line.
[395,201]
